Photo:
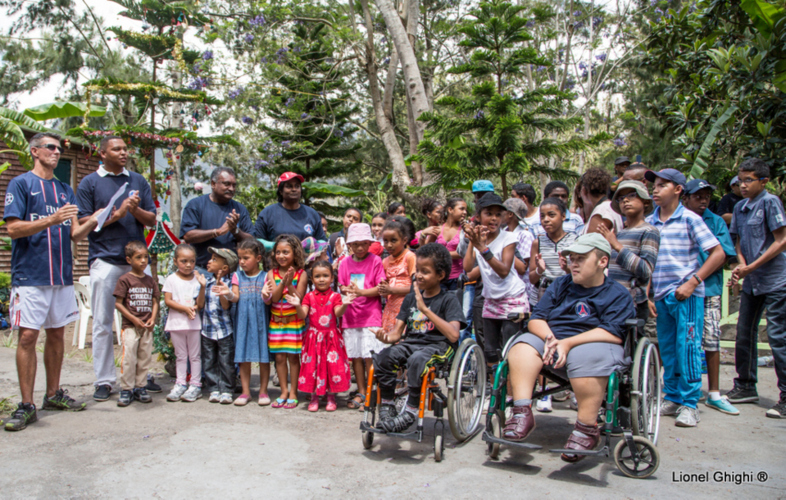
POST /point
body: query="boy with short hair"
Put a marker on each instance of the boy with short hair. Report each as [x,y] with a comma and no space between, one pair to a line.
[136,297]
[218,343]
[433,320]
[678,286]
[698,194]
[759,223]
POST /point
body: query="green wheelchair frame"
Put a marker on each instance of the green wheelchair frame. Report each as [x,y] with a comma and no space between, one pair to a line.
[631,408]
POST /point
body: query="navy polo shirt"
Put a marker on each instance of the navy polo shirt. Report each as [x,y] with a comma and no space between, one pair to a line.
[274,220]
[203,213]
[571,309]
[753,222]
[94,192]
[44,258]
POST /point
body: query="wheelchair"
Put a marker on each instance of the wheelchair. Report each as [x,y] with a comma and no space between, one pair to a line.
[630,408]
[464,374]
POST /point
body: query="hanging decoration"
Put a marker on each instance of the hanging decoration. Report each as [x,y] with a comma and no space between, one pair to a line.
[161,239]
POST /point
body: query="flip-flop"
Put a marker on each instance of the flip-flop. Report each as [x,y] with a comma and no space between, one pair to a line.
[279,403]
[354,404]
[291,404]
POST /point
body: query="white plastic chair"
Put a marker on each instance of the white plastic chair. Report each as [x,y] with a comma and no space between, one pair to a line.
[83,299]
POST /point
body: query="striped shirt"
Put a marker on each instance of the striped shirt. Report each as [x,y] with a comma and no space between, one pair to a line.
[216,321]
[632,267]
[550,251]
[572,223]
[682,236]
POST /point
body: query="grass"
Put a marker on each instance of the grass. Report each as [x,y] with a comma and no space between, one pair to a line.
[7,406]
[8,341]
[87,357]
[118,362]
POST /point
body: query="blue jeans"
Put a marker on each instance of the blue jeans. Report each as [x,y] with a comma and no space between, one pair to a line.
[466,304]
[680,328]
[745,350]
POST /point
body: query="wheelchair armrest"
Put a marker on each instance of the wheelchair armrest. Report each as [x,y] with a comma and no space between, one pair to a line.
[634,323]
[518,317]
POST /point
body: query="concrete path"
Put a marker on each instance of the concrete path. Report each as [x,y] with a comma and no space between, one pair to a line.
[201,450]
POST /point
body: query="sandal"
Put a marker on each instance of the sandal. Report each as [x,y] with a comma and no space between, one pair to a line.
[242,400]
[291,404]
[581,443]
[314,404]
[356,402]
[279,403]
[331,402]
[264,400]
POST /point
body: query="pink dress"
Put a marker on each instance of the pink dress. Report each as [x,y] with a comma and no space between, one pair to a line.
[398,272]
[457,265]
[324,366]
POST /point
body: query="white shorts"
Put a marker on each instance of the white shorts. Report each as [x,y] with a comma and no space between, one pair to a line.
[360,342]
[37,307]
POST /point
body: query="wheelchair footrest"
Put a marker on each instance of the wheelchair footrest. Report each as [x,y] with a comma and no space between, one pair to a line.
[602,452]
[519,444]
[370,428]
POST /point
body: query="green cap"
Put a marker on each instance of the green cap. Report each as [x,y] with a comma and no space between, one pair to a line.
[588,242]
[228,255]
[641,192]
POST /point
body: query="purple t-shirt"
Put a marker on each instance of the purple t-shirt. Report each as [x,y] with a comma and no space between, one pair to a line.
[364,312]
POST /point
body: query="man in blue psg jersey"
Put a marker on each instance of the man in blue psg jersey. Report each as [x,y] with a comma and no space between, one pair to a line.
[132,211]
[41,217]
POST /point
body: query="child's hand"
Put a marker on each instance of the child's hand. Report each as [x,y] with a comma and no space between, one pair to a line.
[381,334]
[419,299]
[348,299]
[221,288]
[610,237]
[540,264]
[138,322]
[191,312]
[149,324]
[201,279]
[267,290]
[352,288]
[384,287]
[293,299]
[289,276]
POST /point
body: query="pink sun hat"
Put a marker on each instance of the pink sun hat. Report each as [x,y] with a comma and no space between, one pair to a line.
[359,232]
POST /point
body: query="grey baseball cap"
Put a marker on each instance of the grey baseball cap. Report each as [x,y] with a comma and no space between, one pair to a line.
[587,243]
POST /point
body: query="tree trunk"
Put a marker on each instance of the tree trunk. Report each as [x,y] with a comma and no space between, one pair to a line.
[175,189]
[390,85]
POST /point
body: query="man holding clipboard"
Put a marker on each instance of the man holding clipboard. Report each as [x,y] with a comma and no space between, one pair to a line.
[129,214]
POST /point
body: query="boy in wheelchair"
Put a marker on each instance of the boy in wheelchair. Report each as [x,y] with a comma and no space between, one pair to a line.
[576,331]
[433,320]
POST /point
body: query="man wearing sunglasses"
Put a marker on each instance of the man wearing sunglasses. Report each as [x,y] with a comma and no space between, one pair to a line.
[130,214]
[41,217]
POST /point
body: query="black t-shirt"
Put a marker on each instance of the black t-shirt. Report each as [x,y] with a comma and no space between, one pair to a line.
[419,329]
[726,205]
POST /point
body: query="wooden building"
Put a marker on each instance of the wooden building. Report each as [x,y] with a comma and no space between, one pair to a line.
[75,163]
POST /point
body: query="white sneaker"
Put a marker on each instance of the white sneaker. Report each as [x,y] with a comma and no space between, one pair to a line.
[226,399]
[544,404]
[177,392]
[215,397]
[687,417]
[574,405]
[192,394]
[669,408]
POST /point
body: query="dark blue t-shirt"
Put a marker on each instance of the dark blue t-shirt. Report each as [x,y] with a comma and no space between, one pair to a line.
[94,192]
[571,309]
[303,222]
[203,213]
[44,258]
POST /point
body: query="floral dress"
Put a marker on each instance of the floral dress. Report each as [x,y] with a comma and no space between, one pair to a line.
[398,272]
[324,366]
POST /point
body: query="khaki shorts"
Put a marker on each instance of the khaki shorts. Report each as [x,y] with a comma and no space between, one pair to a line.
[710,341]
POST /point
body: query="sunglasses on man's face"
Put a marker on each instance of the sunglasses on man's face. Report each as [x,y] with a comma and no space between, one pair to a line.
[53,148]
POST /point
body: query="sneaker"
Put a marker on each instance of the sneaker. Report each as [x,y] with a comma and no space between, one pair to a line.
[215,397]
[574,405]
[125,398]
[399,423]
[226,399]
[102,392]
[544,404]
[192,394]
[24,415]
[668,408]
[152,386]
[739,395]
[177,392]
[722,405]
[63,402]
[779,410]
[687,417]
[386,412]
[141,395]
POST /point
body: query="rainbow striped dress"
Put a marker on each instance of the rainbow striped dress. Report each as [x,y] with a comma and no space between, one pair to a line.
[286,329]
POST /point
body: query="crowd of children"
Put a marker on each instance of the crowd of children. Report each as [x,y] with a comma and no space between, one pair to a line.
[384,294]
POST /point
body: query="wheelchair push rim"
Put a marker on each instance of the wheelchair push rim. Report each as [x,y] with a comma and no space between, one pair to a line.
[646,394]
[466,390]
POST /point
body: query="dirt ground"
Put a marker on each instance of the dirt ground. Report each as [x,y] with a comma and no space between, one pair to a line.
[198,450]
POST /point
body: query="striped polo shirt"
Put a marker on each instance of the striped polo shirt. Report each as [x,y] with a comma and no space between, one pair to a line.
[682,236]
[44,258]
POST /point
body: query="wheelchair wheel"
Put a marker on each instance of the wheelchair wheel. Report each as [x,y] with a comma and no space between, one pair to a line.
[439,447]
[466,390]
[497,422]
[646,394]
[368,440]
[649,458]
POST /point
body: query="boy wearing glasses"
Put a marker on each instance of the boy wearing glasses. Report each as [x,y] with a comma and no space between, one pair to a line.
[678,288]
[759,225]
[698,194]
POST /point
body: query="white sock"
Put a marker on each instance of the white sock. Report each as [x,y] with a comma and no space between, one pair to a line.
[714,395]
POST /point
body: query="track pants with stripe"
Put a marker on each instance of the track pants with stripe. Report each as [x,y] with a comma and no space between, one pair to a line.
[416,358]
[680,329]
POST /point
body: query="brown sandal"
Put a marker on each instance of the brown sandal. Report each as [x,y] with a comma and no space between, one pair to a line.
[581,443]
[520,424]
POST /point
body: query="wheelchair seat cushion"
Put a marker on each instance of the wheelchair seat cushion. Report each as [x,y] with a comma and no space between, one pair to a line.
[596,359]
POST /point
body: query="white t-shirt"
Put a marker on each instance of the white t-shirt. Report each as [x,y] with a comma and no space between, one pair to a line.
[185,293]
[531,221]
[607,213]
[495,287]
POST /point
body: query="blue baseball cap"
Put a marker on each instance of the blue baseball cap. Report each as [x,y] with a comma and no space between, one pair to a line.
[696,185]
[669,174]
[482,186]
